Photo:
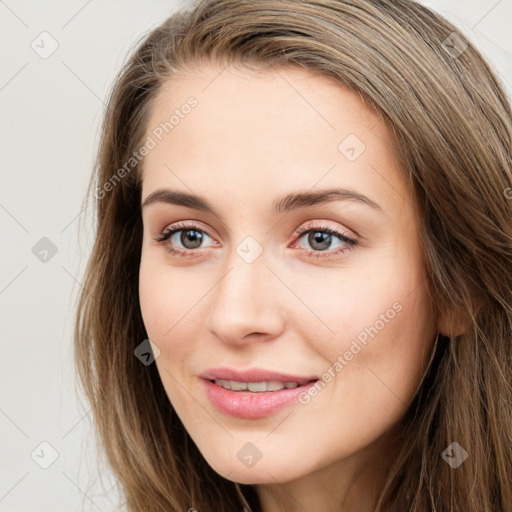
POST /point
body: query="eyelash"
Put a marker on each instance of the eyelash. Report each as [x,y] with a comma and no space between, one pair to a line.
[169,231]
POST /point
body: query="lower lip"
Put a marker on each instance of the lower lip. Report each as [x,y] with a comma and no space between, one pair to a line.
[248,404]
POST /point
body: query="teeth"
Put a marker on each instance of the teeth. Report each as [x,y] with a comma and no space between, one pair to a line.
[223,383]
[274,385]
[257,387]
[235,386]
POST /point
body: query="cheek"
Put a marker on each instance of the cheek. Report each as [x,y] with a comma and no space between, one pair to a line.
[382,337]
[153,301]
[171,302]
[165,296]
[377,364]
[161,312]
[355,307]
[400,357]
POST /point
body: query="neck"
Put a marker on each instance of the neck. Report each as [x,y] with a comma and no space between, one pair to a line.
[352,483]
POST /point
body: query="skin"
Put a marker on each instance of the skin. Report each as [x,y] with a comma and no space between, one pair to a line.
[253,138]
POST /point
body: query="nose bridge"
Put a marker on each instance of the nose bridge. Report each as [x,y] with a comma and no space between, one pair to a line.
[245,300]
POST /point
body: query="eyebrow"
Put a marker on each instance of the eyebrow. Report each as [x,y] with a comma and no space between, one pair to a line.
[288,203]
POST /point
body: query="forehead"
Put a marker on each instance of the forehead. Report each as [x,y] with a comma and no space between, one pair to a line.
[224,129]
[286,99]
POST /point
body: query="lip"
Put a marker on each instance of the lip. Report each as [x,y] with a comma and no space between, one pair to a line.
[252,405]
[253,375]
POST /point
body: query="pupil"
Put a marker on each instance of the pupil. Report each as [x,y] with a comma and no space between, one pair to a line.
[324,239]
[193,236]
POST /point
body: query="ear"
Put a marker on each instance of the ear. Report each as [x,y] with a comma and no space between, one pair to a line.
[455,321]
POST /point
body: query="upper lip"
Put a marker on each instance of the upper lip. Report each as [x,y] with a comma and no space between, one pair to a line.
[253,375]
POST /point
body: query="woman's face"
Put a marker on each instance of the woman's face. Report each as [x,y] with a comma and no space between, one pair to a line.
[297,258]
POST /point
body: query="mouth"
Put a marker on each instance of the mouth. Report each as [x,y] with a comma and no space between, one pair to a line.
[253,394]
[259,386]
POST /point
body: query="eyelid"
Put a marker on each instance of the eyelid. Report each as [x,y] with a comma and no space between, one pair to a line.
[171,229]
[315,225]
[322,225]
[347,239]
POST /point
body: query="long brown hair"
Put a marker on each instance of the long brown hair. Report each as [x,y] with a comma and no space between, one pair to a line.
[452,122]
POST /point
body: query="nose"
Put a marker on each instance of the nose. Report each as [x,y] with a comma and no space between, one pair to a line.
[246,303]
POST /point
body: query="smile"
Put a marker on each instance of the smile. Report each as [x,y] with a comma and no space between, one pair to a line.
[252,400]
[257,387]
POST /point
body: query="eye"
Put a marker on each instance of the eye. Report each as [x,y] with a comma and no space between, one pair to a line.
[321,239]
[190,236]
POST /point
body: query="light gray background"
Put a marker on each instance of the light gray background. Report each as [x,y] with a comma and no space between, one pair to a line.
[50,114]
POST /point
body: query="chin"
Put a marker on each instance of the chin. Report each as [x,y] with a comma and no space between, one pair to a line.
[269,471]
